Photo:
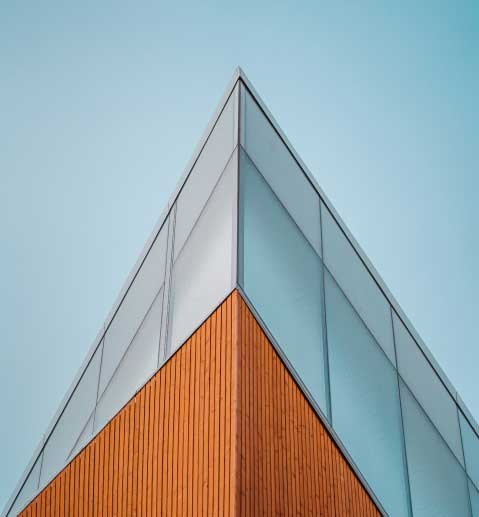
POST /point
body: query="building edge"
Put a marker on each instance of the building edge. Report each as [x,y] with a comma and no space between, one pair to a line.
[237,299]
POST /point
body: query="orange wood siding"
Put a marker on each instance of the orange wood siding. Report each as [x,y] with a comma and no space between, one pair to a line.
[221,429]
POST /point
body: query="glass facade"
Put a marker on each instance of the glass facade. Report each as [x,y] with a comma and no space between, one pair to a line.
[428,389]
[248,215]
[137,365]
[202,271]
[394,414]
[365,405]
[288,298]
[357,284]
[437,480]
[280,170]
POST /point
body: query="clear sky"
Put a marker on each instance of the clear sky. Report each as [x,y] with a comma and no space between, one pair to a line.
[102,105]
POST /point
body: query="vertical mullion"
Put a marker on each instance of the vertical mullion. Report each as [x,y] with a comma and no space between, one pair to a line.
[403,432]
[324,325]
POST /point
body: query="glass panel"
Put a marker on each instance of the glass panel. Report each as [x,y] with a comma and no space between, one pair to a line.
[427,387]
[365,401]
[133,307]
[470,442]
[28,491]
[205,174]
[281,171]
[474,494]
[202,273]
[83,439]
[72,421]
[356,283]
[163,352]
[281,274]
[438,482]
[138,364]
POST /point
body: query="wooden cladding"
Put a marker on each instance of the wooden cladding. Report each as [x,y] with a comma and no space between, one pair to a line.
[221,429]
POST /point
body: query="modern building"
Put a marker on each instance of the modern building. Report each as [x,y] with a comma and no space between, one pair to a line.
[255,363]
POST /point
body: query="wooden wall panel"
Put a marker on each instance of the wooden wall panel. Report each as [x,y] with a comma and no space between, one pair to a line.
[222,429]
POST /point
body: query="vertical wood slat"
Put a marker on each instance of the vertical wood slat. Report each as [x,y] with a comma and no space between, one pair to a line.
[221,429]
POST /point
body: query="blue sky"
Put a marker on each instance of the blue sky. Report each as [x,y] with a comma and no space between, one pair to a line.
[102,105]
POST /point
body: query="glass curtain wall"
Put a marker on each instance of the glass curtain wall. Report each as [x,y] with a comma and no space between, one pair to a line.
[288,298]
[395,415]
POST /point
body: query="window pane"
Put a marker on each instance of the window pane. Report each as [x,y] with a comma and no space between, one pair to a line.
[28,490]
[71,422]
[470,442]
[365,401]
[134,307]
[205,174]
[202,273]
[356,283]
[281,275]
[281,171]
[474,494]
[438,482]
[427,387]
[138,364]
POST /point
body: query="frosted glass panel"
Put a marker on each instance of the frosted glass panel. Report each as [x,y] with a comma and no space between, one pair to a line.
[357,283]
[138,364]
[205,174]
[72,421]
[427,387]
[202,273]
[28,490]
[280,169]
[281,274]
[133,307]
[470,442]
[365,402]
[438,482]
